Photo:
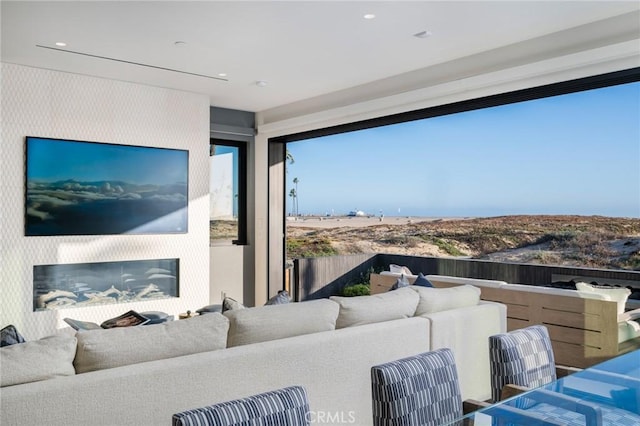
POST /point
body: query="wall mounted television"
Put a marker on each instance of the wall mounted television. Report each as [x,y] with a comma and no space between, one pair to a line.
[90,188]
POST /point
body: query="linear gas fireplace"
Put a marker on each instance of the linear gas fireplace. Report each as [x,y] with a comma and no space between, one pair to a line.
[91,284]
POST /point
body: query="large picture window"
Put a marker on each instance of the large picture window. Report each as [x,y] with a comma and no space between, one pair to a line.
[529,177]
[227,192]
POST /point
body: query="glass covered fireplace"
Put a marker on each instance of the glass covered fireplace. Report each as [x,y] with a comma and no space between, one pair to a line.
[89,284]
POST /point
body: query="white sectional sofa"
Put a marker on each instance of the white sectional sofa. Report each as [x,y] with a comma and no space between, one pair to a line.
[143,375]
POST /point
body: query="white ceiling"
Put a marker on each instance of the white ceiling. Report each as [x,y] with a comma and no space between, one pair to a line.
[301,49]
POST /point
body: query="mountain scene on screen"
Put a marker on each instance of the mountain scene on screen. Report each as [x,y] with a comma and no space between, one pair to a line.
[72,207]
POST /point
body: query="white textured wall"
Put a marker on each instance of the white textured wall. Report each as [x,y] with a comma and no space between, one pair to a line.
[45,103]
[227,273]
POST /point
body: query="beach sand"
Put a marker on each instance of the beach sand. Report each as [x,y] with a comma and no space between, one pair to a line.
[324,222]
[600,242]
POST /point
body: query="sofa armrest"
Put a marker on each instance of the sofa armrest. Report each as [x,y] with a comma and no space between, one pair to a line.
[503,313]
[466,331]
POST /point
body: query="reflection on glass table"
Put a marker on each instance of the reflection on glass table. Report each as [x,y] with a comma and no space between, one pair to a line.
[605,394]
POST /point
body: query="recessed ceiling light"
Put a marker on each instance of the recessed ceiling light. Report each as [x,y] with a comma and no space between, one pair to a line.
[423,34]
[222,74]
[61,43]
[179,43]
[369,16]
[261,83]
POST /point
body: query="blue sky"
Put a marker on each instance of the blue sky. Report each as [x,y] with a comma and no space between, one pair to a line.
[571,154]
[54,160]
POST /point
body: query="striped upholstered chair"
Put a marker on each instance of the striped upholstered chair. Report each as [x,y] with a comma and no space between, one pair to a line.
[282,407]
[419,390]
[525,358]
[521,357]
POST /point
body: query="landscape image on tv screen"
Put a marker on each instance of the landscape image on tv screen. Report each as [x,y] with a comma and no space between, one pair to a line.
[89,188]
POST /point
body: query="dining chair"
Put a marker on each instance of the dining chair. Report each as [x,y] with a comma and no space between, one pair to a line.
[282,407]
[418,390]
[523,358]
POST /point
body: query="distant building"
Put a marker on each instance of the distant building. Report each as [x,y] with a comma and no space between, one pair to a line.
[221,187]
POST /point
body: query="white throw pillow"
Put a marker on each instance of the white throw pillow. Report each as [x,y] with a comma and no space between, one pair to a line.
[114,347]
[619,295]
[397,269]
[272,322]
[37,360]
[229,304]
[359,310]
[442,299]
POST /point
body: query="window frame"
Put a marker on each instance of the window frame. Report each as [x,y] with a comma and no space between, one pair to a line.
[241,238]
[278,233]
[565,87]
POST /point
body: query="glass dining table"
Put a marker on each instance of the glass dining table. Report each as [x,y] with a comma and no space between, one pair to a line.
[604,394]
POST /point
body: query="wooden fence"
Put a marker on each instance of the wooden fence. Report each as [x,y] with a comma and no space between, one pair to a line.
[320,277]
[325,276]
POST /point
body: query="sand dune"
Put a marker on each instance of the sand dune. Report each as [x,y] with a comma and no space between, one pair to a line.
[585,241]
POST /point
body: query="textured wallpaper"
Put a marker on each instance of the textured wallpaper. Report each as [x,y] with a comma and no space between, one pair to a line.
[38,102]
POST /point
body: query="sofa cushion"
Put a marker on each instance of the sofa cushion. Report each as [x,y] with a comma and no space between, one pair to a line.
[271,322]
[387,306]
[9,336]
[37,360]
[100,349]
[618,295]
[442,299]
[156,317]
[409,277]
[210,309]
[628,330]
[422,281]
[229,304]
[279,299]
[400,282]
[397,269]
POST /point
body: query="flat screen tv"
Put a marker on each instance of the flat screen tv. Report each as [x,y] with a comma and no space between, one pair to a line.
[90,188]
